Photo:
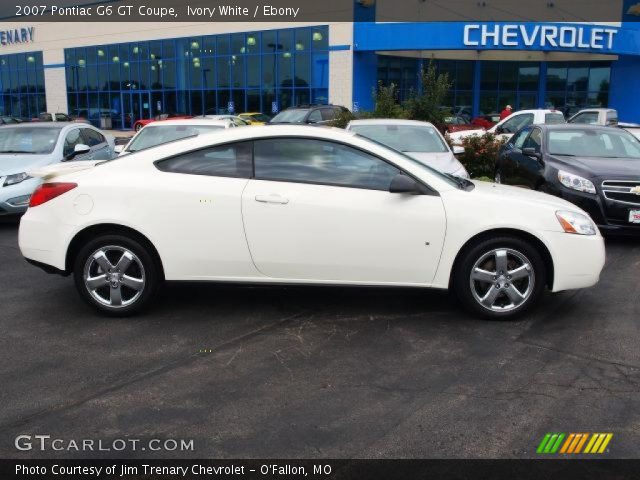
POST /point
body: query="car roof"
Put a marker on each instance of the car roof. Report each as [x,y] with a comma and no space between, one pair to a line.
[190,121]
[575,126]
[391,121]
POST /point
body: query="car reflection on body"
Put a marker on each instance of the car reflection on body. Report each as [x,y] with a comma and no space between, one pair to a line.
[302,205]
[419,140]
[159,133]
[25,146]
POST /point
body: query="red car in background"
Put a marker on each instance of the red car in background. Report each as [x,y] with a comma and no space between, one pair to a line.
[486,121]
[456,123]
[158,118]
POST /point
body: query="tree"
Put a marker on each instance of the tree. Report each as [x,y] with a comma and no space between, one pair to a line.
[427,104]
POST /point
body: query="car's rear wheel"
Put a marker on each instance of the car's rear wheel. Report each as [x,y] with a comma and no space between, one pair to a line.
[116,275]
[499,278]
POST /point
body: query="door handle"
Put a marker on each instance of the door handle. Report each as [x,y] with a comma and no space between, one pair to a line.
[272,199]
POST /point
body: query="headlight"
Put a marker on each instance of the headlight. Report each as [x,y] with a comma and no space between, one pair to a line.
[574,222]
[15,178]
[576,182]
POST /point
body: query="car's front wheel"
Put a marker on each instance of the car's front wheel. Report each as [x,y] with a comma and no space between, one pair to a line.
[499,278]
[116,275]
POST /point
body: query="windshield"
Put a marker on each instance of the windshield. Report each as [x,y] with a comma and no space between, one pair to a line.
[28,140]
[290,116]
[594,143]
[404,138]
[453,181]
[153,135]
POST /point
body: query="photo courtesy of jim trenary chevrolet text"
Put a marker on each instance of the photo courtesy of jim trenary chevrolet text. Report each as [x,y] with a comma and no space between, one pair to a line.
[336,240]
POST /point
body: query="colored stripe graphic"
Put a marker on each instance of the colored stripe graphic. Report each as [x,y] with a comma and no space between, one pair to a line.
[550,443]
[572,443]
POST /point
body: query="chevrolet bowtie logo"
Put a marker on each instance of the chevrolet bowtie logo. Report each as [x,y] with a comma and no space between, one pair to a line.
[635,190]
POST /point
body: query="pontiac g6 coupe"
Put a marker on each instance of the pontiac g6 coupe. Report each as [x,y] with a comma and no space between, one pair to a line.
[301,205]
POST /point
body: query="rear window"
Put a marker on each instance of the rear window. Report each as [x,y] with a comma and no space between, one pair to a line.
[154,135]
[553,118]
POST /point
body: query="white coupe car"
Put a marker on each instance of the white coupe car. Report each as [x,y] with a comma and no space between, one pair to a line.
[301,205]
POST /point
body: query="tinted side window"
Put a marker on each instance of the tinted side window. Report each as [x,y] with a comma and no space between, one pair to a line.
[322,162]
[516,123]
[72,139]
[91,137]
[328,114]
[61,117]
[518,139]
[534,140]
[586,118]
[233,160]
[315,116]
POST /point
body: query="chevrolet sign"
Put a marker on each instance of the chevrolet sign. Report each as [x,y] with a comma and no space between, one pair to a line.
[539,36]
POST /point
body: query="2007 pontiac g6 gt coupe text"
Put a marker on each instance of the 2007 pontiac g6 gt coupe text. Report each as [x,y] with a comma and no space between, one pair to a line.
[301,205]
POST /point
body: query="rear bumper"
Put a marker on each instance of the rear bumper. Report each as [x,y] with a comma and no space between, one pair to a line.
[43,239]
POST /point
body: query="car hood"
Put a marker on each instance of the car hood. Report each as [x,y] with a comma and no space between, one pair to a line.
[508,193]
[599,166]
[11,163]
[444,162]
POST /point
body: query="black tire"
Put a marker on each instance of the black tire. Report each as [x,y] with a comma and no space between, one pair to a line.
[463,285]
[143,271]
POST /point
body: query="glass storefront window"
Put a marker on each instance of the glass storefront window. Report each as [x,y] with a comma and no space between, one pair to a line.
[196,74]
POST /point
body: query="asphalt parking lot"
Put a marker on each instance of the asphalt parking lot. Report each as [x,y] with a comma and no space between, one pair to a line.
[318,372]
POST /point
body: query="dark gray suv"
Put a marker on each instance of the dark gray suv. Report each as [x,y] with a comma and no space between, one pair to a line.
[309,114]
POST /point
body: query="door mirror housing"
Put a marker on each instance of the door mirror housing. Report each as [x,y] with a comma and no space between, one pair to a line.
[118,149]
[79,149]
[531,152]
[404,184]
[457,150]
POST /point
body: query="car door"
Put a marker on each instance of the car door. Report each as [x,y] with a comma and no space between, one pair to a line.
[199,226]
[510,157]
[530,167]
[100,149]
[321,211]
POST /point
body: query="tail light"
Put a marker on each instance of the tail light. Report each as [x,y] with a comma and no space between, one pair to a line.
[49,191]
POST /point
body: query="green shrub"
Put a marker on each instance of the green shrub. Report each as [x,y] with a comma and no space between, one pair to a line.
[342,120]
[480,154]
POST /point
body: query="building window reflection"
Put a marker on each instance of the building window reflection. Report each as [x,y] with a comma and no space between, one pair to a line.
[253,71]
[22,85]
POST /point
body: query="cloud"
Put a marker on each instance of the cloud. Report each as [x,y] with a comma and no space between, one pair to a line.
[634,10]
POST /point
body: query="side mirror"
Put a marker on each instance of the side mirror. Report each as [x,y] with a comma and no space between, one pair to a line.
[458,150]
[499,130]
[118,149]
[404,184]
[79,149]
[531,152]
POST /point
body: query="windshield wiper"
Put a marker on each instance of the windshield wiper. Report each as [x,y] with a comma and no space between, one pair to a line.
[462,183]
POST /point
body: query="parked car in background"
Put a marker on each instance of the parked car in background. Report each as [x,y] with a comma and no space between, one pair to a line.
[235,119]
[26,146]
[255,118]
[596,168]
[301,205]
[8,120]
[309,114]
[169,131]
[605,117]
[138,124]
[419,140]
[459,124]
[505,128]
[486,121]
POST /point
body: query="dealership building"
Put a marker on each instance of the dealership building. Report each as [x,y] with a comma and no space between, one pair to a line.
[125,71]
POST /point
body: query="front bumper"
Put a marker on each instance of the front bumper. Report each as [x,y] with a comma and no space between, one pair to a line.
[611,217]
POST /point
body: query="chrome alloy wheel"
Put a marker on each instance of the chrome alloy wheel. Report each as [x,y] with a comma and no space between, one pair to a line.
[114,276]
[502,280]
